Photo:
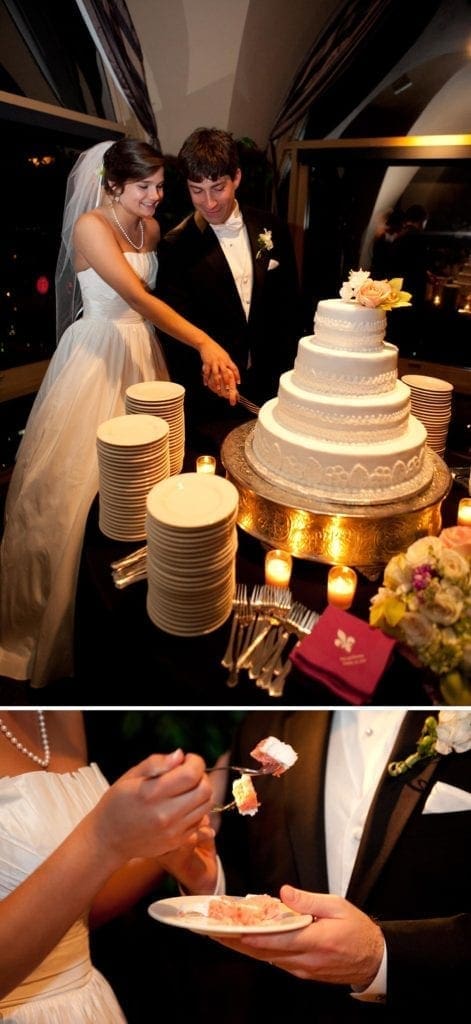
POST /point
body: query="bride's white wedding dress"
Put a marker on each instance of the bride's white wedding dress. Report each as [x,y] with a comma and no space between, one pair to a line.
[56,475]
[37,811]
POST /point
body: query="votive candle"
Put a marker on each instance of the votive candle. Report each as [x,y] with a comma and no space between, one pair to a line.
[278,566]
[341,586]
[206,464]
[464,512]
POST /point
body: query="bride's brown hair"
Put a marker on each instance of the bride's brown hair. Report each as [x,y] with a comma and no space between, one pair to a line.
[129,160]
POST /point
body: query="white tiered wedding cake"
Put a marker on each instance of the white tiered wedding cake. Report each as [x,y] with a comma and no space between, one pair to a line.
[340,427]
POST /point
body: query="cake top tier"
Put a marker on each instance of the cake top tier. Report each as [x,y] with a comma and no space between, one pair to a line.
[346,325]
[357,320]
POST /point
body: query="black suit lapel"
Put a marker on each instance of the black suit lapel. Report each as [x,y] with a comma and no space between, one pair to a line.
[392,805]
[308,733]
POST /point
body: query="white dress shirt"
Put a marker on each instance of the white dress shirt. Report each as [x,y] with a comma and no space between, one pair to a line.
[360,746]
[234,241]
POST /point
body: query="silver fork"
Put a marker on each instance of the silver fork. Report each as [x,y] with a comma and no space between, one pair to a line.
[256,605]
[245,619]
[278,602]
[265,649]
[240,597]
[277,683]
[296,617]
[241,770]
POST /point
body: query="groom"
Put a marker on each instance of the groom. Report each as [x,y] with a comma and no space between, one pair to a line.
[231,271]
[394,942]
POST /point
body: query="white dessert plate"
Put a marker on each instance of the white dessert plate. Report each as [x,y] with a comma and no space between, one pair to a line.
[192,500]
[191,912]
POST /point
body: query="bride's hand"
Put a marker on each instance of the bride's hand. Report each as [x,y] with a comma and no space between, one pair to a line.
[158,806]
[220,373]
[194,864]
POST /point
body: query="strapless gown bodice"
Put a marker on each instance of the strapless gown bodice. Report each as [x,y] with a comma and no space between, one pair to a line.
[101,302]
[37,811]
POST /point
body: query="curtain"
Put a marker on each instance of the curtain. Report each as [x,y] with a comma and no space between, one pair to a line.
[113,32]
[61,47]
[358,46]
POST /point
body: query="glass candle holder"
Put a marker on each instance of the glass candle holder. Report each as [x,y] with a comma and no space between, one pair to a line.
[206,464]
[341,586]
[464,512]
[278,567]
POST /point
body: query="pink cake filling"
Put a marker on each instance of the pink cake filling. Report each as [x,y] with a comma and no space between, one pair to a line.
[247,910]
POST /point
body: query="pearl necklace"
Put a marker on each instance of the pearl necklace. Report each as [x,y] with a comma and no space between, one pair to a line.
[43,761]
[138,247]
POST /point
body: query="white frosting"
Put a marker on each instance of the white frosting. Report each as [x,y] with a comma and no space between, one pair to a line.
[320,369]
[279,751]
[345,325]
[340,426]
[362,419]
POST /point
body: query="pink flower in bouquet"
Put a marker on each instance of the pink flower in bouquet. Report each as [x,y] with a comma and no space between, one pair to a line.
[425,603]
[458,538]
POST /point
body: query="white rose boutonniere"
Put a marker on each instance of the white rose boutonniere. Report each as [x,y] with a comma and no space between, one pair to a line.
[265,243]
[451,733]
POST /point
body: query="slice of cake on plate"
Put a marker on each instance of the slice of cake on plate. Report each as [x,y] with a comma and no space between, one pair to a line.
[246,910]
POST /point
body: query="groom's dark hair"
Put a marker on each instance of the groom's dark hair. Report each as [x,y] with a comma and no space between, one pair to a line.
[209,153]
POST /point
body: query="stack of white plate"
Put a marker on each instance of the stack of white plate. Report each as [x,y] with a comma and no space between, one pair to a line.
[431,403]
[133,455]
[191,549]
[165,399]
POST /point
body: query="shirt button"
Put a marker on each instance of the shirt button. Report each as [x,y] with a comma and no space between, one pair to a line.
[356,834]
[368,731]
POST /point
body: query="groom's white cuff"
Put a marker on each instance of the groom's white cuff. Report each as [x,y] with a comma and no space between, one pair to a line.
[376,992]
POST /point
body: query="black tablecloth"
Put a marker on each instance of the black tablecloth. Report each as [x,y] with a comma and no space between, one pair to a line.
[122,658]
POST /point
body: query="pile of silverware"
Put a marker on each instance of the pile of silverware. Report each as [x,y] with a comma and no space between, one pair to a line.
[263,628]
[130,569]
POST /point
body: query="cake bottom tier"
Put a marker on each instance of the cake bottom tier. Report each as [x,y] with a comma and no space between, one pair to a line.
[356,473]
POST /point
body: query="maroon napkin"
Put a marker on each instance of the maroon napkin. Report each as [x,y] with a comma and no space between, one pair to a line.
[345,653]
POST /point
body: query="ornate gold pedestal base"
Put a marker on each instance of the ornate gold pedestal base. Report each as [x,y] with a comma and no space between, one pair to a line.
[321,531]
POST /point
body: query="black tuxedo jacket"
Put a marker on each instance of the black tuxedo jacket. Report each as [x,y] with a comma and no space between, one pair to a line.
[195,279]
[411,872]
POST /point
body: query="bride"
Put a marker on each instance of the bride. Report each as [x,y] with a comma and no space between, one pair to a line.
[107,261]
[75,852]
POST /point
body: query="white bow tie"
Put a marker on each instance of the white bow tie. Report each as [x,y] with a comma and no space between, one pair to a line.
[232,226]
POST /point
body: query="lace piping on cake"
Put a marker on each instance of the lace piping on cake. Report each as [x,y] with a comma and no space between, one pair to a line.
[359,324]
[346,428]
[356,485]
[335,344]
[350,327]
[337,384]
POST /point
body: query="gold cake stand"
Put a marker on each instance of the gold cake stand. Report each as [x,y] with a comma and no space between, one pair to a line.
[318,530]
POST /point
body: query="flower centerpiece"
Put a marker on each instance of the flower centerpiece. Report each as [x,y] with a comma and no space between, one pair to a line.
[425,603]
[363,290]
